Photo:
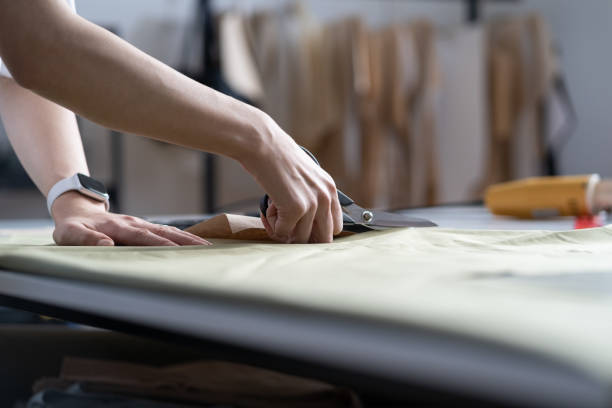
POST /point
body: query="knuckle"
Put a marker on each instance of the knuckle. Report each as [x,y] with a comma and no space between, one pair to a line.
[130,219]
[72,228]
[299,207]
[155,228]
[142,233]
[58,236]
[313,200]
[324,198]
[111,224]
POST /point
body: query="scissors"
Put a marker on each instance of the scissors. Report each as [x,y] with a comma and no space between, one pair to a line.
[359,219]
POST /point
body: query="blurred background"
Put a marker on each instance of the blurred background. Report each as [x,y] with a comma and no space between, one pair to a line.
[406,103]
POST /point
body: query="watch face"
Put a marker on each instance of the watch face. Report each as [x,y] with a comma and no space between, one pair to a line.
[92,184]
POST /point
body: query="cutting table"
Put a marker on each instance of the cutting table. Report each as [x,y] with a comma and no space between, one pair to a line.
[376,356]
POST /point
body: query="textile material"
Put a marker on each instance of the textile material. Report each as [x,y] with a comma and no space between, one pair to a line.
[232,226]
[74,398]
[548,292]
[362,100]
[199,382]
[523,67]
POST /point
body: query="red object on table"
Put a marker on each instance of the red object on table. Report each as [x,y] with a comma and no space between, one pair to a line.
[589,221]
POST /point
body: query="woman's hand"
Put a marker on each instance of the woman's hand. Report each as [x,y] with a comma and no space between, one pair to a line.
[304,203]
[107,86]
[82,221]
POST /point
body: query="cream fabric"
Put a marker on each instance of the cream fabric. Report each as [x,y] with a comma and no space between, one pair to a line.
[529,289]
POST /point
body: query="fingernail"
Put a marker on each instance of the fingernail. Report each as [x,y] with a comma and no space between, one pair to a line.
[105,242]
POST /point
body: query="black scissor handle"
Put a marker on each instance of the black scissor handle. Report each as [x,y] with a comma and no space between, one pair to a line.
[343,198]
[263,205]
[312,156]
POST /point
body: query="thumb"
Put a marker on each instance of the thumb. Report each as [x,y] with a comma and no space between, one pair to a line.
[73,233]
[270,219]
[267,225]
[105,242]
[96,238]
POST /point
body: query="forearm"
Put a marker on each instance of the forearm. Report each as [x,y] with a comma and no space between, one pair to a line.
[102,77]
[80,66]
[46,138]
[43,134]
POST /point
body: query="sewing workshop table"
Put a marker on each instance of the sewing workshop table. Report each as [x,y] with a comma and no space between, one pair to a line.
[365,355]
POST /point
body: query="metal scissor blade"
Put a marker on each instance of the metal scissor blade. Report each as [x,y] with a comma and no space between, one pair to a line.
[382,220]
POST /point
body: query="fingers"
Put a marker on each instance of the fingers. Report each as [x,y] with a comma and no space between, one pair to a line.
[336,214]
[79,234]
[128,235]
[176,235]
[283,223]
[268,219]
[315,221]
[303,229]
[127,230]
[315,217]
[323,228]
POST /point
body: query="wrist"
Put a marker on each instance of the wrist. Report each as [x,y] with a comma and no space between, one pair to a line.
[265,140]
[73,202]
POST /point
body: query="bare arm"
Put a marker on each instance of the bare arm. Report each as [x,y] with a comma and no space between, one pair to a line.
[99,76]
[46,138]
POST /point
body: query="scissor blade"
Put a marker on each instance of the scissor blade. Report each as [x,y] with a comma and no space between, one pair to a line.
[383,220]
[390,220]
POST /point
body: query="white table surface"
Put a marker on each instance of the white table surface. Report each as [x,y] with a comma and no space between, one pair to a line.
[462,217]
[478,217]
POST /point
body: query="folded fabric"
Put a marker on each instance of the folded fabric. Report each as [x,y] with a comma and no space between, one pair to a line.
[543,291]
[199,382]
[232,226]
[75,398]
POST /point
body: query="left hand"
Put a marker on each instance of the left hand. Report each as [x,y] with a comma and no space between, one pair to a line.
[80,220]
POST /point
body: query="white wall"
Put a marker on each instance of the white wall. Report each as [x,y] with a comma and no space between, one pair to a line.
[125,15]
[583,29]
[376,12]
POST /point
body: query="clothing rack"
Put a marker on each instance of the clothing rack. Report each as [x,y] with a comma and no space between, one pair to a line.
[473,13]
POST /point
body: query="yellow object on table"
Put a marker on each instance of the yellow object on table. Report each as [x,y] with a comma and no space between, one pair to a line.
[538,197]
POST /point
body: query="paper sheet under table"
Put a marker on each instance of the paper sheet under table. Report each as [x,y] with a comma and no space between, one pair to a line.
[543,292]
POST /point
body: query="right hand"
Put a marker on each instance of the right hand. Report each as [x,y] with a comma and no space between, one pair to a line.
[304,204]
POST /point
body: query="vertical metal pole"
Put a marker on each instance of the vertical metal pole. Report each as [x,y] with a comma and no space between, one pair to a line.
[473,8]
[116,168]
[210,165]
[208,44]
